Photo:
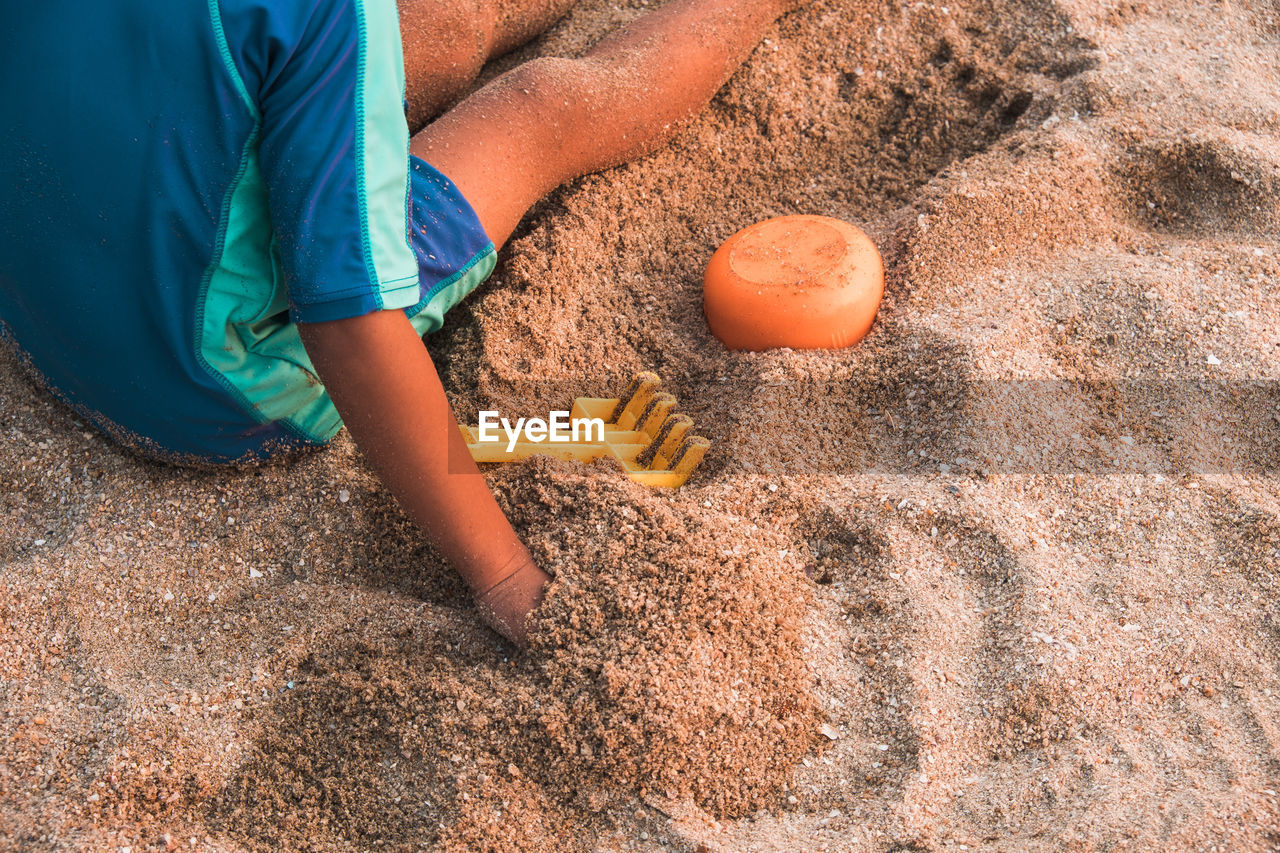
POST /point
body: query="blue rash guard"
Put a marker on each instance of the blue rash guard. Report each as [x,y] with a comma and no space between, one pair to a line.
[184,182]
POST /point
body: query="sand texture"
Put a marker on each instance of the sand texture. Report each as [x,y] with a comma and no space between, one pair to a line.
[1005,576]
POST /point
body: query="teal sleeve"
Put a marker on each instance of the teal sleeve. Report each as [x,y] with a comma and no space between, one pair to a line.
[335,157]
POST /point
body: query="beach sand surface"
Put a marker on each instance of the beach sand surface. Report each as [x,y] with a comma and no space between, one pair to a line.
[1005,576]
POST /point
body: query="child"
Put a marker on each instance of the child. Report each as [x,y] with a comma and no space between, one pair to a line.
[219,242]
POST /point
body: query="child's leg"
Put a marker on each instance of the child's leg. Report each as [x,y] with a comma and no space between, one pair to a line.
[551,120]
[446,42]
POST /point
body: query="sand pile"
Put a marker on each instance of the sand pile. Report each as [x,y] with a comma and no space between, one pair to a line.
[669,666]
[671,650]
[1004,576]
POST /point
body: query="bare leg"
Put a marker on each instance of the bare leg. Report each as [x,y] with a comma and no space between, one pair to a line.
[447,42]
[550,120]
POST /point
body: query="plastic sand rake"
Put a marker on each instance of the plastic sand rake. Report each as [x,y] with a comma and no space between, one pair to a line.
[640,429]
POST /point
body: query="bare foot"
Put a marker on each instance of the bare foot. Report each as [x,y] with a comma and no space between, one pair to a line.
[505,606]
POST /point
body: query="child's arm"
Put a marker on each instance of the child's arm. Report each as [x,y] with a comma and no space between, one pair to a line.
[504,147]
[383,383]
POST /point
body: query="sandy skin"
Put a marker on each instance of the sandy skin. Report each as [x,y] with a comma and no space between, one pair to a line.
[506,146]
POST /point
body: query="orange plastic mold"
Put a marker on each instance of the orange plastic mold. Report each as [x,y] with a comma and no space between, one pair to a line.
[805,282]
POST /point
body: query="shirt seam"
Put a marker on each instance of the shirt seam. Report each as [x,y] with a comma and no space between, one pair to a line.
[384,288]
[366,246]
[219,246]
[224,50]
[440,285]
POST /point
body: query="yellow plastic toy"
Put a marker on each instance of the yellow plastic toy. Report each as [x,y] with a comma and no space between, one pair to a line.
[640,429]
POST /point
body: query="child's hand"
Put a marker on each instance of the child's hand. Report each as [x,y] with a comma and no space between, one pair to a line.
[506,605]
[385,387]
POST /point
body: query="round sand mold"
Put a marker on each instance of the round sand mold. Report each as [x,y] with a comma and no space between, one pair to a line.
[805,282]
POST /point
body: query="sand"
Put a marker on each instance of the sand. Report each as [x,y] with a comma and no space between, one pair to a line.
[1004,576]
